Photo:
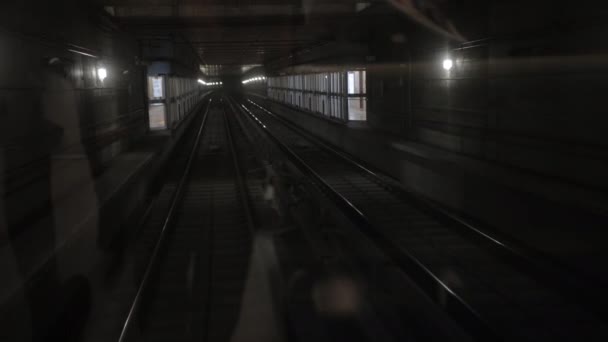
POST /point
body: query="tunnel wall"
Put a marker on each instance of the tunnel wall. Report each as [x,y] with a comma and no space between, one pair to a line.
[54,108]
[526,89]
[61,127]
[75,173]
[50,93]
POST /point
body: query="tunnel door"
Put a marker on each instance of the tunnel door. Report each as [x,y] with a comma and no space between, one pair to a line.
[157,110]
[357,95]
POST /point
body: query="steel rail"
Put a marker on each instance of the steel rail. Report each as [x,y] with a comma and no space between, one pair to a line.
[537,264]
[239,175]
[169,218]
[454,305]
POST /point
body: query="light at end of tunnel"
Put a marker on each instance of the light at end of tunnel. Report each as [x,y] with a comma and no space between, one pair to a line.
[448,64]
[102,73]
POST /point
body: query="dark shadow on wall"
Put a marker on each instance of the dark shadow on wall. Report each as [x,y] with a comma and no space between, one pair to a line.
[51,302]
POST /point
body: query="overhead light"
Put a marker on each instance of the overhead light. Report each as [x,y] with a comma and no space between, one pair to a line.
[448,64]
[102,73]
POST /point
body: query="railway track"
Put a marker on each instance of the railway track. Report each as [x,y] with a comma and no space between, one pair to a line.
[192,286]
[487,293]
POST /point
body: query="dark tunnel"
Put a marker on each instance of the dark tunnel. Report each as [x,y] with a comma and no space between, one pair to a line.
[303,170]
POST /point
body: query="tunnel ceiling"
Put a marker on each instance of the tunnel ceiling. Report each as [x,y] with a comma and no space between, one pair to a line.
[230,34]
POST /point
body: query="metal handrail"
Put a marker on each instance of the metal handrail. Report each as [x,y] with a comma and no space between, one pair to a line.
[558,274]
[177,196]
[454,305]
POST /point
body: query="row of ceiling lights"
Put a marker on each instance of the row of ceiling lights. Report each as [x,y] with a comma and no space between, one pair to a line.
[254,79]
[209,83]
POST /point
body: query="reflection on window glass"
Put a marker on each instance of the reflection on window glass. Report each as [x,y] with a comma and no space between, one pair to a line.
[157,116]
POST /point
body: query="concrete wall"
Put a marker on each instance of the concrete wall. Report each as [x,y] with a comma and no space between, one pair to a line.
[180,57]
[61,128]
[52,104]
[526,89]
[50,93]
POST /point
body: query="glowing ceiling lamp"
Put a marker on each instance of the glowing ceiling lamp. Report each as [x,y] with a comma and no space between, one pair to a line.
[102,73]
[448,64]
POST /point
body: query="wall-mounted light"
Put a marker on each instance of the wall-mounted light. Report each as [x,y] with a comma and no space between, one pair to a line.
[448,64]
[102,73]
